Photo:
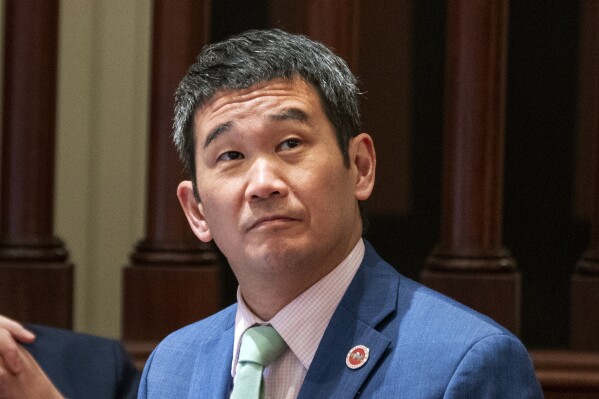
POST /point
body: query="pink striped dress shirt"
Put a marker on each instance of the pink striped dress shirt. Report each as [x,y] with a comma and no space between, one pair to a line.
[301,324]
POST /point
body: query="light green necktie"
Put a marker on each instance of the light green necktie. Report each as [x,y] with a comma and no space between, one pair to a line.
[260,346]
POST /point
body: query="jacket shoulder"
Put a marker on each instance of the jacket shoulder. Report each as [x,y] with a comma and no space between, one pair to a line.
[204,330]
[197,354]
[435,338]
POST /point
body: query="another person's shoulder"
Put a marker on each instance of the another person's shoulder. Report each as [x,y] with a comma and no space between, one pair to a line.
[50,340]
[83,365]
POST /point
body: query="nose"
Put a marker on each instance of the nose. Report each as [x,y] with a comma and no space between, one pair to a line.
[265,180]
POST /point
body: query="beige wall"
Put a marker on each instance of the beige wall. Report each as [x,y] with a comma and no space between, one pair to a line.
[103,80]
[101,137]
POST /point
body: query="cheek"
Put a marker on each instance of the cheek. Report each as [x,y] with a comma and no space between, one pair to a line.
[216,203]
[328,191]
[216,189]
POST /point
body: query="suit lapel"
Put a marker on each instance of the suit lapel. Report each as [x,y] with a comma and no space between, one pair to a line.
[212,368]
[369,299]
[329,376]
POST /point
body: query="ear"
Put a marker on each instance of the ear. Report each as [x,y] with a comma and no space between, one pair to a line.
[363,159]
[194,211]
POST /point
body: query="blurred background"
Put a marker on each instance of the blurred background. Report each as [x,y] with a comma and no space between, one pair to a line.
[103,115]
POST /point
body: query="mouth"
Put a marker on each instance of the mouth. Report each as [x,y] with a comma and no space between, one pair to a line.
[271,220]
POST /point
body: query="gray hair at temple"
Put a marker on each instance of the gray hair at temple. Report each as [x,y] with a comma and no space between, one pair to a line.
[259,56]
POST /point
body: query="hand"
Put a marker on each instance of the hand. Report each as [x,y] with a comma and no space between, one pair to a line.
[10,333]
[30,383]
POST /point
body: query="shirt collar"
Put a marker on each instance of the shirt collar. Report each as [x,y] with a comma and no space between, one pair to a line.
[303,321]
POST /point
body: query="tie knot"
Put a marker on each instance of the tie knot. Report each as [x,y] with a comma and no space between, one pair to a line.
[261,345]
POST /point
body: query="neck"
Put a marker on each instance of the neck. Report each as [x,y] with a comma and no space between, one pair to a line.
[268,288]
[267,297]
[267,293]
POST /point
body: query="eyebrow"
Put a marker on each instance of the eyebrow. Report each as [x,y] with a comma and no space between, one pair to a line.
[294,114]
[217,131]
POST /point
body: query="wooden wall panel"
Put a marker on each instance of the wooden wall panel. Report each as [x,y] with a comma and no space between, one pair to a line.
[567,374]
[584,286]
[385,73]
[332,22]
[32,259]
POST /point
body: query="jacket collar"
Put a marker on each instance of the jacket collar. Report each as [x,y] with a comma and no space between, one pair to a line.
[370,298]
[212,374]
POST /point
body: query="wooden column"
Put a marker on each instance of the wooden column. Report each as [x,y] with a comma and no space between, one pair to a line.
[36,282]
[584,286]
[469,263]
[173,279]
[332,22]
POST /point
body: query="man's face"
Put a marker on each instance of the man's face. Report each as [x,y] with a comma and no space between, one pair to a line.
[275,194]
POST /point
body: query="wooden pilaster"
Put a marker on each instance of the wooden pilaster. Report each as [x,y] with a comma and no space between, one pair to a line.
[470,263]
[36,281]
[173,279]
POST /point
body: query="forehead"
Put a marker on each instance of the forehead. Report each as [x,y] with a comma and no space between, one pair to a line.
[261,100]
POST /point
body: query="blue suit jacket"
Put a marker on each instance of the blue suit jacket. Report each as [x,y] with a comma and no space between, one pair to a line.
[422,345]
[84,366]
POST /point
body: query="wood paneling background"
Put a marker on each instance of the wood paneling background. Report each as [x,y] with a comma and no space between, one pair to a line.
[398,49]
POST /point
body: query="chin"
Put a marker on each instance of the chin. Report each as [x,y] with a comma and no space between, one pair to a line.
[279,252]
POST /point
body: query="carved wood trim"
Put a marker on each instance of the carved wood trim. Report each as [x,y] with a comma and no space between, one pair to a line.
[567,371]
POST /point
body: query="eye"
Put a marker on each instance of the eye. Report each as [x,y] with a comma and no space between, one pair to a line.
[230,156]
[289,144]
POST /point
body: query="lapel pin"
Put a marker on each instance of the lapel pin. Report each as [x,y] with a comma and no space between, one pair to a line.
[357,357]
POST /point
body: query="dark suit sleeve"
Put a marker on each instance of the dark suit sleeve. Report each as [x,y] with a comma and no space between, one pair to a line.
[126,375]
[84,366]
[497,366]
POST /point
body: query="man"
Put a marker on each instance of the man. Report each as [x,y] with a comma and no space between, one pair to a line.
[54,362]
[267,124]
